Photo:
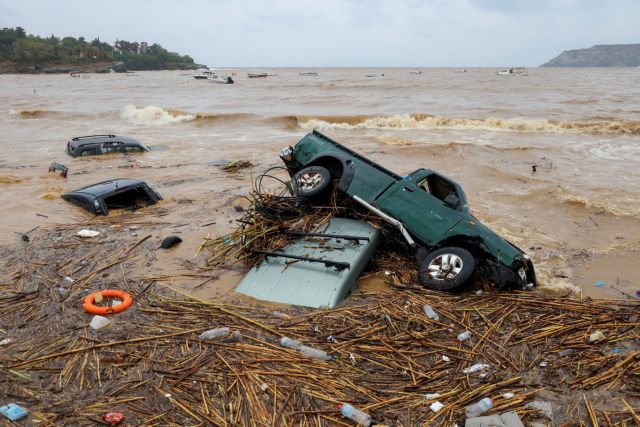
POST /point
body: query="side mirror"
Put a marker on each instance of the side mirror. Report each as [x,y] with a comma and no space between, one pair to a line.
[452,200]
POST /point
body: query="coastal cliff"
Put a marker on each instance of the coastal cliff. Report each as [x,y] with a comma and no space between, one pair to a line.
[601,55]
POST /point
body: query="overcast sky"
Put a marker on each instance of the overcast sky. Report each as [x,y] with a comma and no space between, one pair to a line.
[411,33]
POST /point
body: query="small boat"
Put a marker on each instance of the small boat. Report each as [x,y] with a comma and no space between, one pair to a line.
[520,71]
[257,75]
[375,75]
[309,74]
[78,74]
[415,72]
[461,70]
[204,74]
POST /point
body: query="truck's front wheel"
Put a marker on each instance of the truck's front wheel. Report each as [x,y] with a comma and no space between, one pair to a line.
[447,269]
[311,181]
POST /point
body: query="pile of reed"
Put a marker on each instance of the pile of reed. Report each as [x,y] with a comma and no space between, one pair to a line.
[387,355]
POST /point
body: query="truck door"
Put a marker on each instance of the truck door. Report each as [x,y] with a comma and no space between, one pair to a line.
[423,214]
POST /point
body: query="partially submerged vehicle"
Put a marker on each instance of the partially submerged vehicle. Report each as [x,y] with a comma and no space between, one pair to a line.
[318,269]
[117,193]
[92,145]
[428,209]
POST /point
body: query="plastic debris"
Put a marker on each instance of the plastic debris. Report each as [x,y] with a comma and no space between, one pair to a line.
[508,396]
[430,312]
[615,350]
[596,336]
[99,322]
[436,406]
[356,415]
[445,358]
[281,315]
[68,279]
[479,292]
[637,294]
[474,368]
[170,242]
[6,341]
[13,412]
[479,408]
[387,273]
[431,396]
[352,358]
[463,336]
[63,292]
[113,418]
[599,283]
[314,353]
[544,364]
[290,343]
[214,333]
[87,234]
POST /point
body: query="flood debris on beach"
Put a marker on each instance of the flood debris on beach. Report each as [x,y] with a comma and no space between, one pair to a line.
[386,354]
[155,364]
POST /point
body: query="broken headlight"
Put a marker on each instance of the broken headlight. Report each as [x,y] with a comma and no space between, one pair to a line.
[522,274]
[287,154]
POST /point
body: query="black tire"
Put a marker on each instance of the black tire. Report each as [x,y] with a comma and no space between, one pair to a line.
[455,276]
[311,181]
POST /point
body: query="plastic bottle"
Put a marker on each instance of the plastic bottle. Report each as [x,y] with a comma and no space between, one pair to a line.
[290,343]
[314,353]
[430,312]
[356,415]
[214,333]
[479,408]
[463,336]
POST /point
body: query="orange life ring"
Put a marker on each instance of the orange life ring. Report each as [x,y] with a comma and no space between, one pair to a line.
[90,307]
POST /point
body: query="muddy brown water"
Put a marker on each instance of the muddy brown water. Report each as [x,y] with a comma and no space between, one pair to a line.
[577,214]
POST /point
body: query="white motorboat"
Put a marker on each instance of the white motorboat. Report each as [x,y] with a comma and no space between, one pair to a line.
[517,71]
[204,75]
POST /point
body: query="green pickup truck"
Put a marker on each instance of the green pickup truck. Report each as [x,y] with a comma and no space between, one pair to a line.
[428,209]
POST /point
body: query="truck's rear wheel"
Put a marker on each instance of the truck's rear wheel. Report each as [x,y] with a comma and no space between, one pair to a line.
[311,181]
[447,269]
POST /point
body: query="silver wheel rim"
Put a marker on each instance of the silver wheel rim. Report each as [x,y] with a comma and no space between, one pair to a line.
[445,266]
[309,181]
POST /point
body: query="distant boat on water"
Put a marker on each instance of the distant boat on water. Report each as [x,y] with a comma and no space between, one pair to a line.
[461,70]
[204,75]
[309,74]
[415,72]
[375,75]
[257,75]
[513,71]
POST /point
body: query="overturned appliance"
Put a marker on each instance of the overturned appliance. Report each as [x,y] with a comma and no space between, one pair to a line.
[117,193]
[317,270]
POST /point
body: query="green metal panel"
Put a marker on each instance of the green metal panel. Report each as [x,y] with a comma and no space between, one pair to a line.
[309,284]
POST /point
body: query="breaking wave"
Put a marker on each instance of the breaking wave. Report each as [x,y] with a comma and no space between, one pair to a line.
[426,121]
[152,115]
[35,113]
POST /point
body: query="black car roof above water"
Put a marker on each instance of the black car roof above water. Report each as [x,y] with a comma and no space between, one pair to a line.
[99,139]
[107,187]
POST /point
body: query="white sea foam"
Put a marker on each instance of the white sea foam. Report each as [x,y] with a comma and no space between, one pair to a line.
[152,115]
